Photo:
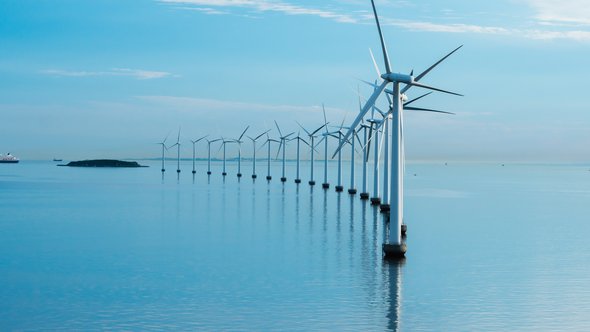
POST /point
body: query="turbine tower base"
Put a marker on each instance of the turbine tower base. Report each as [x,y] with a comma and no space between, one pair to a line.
[352,191]
[239,175]
[177,171]
[194,172]
[364,196]
[268,177]
[384,208]
[254,176]
[283,179]
[224,173]
[394,251]
[339,188]
[163,170]
[298,181]
[208,172]
[404,229]
[325,185]
[311,183]
[375,201]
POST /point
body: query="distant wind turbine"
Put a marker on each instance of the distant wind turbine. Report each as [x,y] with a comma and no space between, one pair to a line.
[177,145]
[267,142]
[254,176]
[194,157]
[312,136]
[239,141]
[209,142]
[283,145]
[299,140]
[164,148]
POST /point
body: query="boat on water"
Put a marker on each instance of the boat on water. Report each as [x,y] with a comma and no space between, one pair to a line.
[8,159]
[56,159]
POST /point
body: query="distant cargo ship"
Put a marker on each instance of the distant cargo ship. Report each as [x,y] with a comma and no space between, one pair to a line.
[8,159]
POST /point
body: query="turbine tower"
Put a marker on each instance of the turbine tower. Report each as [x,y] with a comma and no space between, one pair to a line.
[177,145]
[239,141]
[299,140]
[267,142]
[164,148]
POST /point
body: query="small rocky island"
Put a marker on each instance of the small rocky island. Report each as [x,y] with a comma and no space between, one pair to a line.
[103,163]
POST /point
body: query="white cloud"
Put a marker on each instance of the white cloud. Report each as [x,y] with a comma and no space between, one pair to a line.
[263,6]
[134,73]
[571,12]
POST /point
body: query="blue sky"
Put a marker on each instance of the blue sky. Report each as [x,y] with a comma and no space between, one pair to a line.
[86,79]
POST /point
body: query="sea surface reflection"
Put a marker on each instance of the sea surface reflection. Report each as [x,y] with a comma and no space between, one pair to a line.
[490,248]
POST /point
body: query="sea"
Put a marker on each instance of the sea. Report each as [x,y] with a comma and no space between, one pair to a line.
[491,247]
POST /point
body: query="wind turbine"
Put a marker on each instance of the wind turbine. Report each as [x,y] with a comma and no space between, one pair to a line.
[299,140]
[283,145]
[239,141]
[394,247]
[164,148]
[195,142]
[224,142]
[209,142]
[267,142]
[339,186]
[254,176]
[352,189]
[177,144]
[312,137]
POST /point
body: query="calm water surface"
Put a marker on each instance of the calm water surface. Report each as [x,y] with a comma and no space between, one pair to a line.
[489,248]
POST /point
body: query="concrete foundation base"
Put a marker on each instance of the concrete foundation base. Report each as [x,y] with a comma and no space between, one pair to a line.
[268,177]
[384,208]
[352,191]
[297,181]
[239,175]
[163,170]
[339,188]
[224,173]
[177,171]
[194,172]
[394,251]
[312,183]
[254,176]
[283,179]
[364,196]
[208,172]
[375,201]
[325,185]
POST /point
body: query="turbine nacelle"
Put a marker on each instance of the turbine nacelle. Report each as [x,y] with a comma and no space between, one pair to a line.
[399,78]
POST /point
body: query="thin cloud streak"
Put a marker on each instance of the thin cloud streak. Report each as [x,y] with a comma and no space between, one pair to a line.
[547,13]
[125,72]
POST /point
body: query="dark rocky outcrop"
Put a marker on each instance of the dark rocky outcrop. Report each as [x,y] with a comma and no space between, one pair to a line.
[103,163]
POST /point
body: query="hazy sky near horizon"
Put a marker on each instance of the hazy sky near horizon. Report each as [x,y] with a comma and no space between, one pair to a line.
[109,78]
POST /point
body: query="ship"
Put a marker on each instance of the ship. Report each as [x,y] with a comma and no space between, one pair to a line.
[8,159]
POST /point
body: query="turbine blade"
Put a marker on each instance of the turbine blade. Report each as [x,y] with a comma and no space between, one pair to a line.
[375,63]
[266,132]
[370,102]
[239,139]
[419,77]
[325,119]
[416,99]
[280,133]
[315,131]
[420,85]
[419,109]
[385,56]
[307,132]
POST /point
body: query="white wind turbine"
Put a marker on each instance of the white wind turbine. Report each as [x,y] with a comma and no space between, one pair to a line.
[209,142]
[164,148]
[326,184]
[267,142]
[283,145]
[239,141]
[194,157]
[338,134]
[224,142]
[177,145]
[254,176]
[299,140]
[312,136]
[394,247]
